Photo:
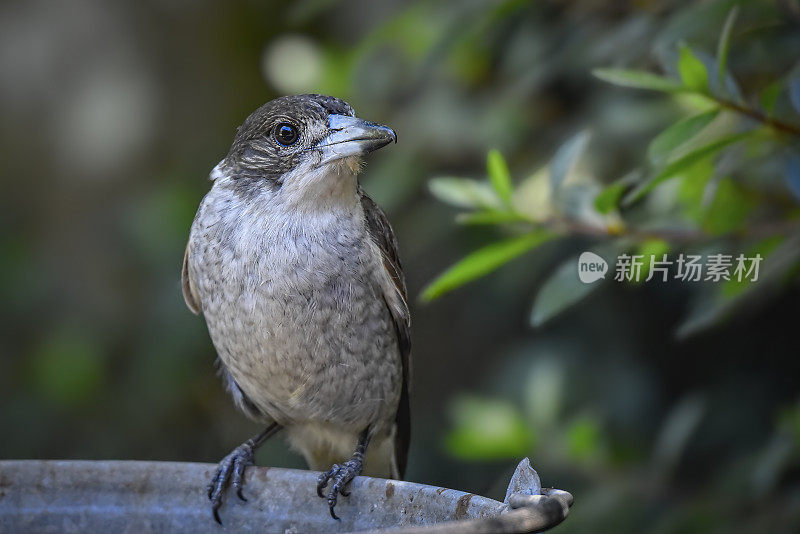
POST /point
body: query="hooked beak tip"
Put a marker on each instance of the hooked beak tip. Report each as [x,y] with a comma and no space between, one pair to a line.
[361,136]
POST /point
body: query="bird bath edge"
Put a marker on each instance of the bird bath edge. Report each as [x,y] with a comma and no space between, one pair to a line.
[157,497]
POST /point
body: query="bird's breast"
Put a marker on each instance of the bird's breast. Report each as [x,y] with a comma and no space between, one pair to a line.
[294,308]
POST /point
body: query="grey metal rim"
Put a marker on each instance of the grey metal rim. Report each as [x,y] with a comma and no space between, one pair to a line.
[155,497]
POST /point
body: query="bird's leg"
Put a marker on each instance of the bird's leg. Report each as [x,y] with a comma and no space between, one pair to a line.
[231,469]
[341,474]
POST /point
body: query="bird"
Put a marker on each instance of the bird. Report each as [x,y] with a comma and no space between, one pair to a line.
[296,271]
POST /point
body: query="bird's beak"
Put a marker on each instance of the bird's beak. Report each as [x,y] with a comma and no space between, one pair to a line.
[351,136]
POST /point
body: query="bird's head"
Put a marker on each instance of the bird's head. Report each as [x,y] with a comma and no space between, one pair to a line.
[301,144]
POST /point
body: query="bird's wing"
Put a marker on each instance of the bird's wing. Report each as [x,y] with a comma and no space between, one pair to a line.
[397,303]
[189,294]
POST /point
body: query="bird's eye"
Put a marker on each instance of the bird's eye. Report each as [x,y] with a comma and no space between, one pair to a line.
[285,134]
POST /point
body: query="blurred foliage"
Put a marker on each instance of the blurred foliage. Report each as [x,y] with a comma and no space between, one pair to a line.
[114,113]
[712,202]
[488,430]
[728,152]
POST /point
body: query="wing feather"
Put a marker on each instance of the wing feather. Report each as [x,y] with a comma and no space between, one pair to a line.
[189,294]
[397,303]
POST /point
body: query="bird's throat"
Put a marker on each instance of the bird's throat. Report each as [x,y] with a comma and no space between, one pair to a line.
[327,187]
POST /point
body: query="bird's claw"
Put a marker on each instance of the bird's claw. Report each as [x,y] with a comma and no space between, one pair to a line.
[340,475]
[230,472]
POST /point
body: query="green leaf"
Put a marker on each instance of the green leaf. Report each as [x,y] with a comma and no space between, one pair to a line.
[566,156]
[724,44]
[789,421]
[483,261]
[490,217]
[584,437]
[464,193]
[499,175]
[683,163]
[769,96]
[693,72]
[729,209]
[734,287]
[608,199]
[559,292]
[487,429]
[677,134]
[694,102]
[637,79]
[692,189]
[651,249]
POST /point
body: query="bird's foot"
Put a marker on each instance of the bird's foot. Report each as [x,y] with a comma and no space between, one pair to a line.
[339,475]
[230,472]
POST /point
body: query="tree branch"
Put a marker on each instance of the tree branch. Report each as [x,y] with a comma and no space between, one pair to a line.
[573,227]
[780,126]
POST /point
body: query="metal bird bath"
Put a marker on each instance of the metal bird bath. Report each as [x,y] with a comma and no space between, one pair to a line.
[154,497]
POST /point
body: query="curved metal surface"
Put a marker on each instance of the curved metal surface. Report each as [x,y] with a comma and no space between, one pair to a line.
[155,497]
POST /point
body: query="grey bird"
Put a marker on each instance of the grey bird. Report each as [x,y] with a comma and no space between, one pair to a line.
[297,274]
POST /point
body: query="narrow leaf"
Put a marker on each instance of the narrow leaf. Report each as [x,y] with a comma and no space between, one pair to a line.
[482,262]
[637,79]
[560,291]
[734,287]
[490,217]
[566,155]
[464,193]
[677,134]
[499,175]
[693,72]
[728,210]
[683,163]
[679,426]
[724,45]
[769,96]
[650,250]
[608,199]
[692,190]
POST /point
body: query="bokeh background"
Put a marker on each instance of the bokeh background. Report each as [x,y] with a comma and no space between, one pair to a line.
[113,114]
